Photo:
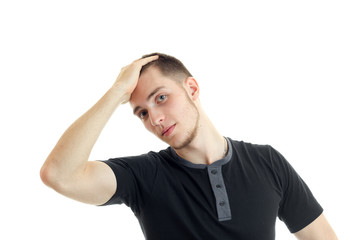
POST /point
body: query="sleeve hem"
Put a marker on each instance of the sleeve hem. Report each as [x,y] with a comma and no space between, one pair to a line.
[306,223]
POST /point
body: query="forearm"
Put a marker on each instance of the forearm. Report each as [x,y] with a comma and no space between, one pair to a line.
[70,155]
[66,169]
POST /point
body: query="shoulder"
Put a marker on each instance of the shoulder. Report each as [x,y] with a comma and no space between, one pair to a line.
[258,155]
[144,161]
[251,149]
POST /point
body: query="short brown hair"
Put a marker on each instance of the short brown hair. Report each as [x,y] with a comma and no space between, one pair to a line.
[169,66]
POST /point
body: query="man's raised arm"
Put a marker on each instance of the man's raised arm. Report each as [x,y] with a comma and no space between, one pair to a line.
[67,169]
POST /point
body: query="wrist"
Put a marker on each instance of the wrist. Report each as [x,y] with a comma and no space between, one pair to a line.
[119,93]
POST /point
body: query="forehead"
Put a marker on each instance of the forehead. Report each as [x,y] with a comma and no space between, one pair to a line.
[150,80]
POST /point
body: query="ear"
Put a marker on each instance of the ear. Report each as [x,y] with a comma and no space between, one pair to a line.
[192,88]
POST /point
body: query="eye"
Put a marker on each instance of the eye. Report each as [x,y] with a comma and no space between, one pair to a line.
[142,114]
[161,98]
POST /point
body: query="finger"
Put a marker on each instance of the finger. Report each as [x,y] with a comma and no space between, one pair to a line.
[144,61]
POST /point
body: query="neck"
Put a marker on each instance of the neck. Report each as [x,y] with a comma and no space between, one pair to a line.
[207,147]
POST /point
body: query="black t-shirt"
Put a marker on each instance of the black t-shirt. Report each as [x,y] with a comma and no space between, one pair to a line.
[238,197]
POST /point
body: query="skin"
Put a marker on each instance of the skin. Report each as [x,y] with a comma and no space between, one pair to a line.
[174,107]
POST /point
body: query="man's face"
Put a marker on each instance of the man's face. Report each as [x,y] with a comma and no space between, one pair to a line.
[165,108]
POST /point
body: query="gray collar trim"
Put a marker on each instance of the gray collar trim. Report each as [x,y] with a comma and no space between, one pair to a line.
[217,163]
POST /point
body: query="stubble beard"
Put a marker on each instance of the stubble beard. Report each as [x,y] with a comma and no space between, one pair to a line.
[192,133]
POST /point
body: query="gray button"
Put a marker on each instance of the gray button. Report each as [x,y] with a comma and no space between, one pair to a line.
[214,171]
[222,203]
[218,186]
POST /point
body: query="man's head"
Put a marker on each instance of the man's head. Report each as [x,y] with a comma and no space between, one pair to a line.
[166,101]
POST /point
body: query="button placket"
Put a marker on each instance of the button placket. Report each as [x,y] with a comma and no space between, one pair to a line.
[218,187]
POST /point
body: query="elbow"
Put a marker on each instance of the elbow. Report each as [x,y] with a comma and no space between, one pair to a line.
[50,177]
[46,176]
[55,178]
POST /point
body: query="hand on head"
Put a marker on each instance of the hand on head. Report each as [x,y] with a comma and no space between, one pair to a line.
[129,76]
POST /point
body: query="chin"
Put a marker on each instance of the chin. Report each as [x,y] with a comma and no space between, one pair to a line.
[174,142]
[180,144]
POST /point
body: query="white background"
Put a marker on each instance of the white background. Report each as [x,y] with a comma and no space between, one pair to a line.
[283,73]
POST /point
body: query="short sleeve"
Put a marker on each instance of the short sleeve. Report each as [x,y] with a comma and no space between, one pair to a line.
[134,177]
[298,207]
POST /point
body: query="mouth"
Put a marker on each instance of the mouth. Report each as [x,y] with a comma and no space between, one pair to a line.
[167,131]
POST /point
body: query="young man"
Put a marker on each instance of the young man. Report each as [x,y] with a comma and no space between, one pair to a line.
[204,186]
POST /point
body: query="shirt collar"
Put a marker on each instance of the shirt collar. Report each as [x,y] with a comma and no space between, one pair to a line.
[217,163]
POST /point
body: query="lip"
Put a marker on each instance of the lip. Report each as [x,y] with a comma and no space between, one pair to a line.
[167,131]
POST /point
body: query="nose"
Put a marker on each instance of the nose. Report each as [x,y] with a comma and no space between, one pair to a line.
[156,117]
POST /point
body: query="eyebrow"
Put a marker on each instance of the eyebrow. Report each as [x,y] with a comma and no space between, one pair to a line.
[148,97]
